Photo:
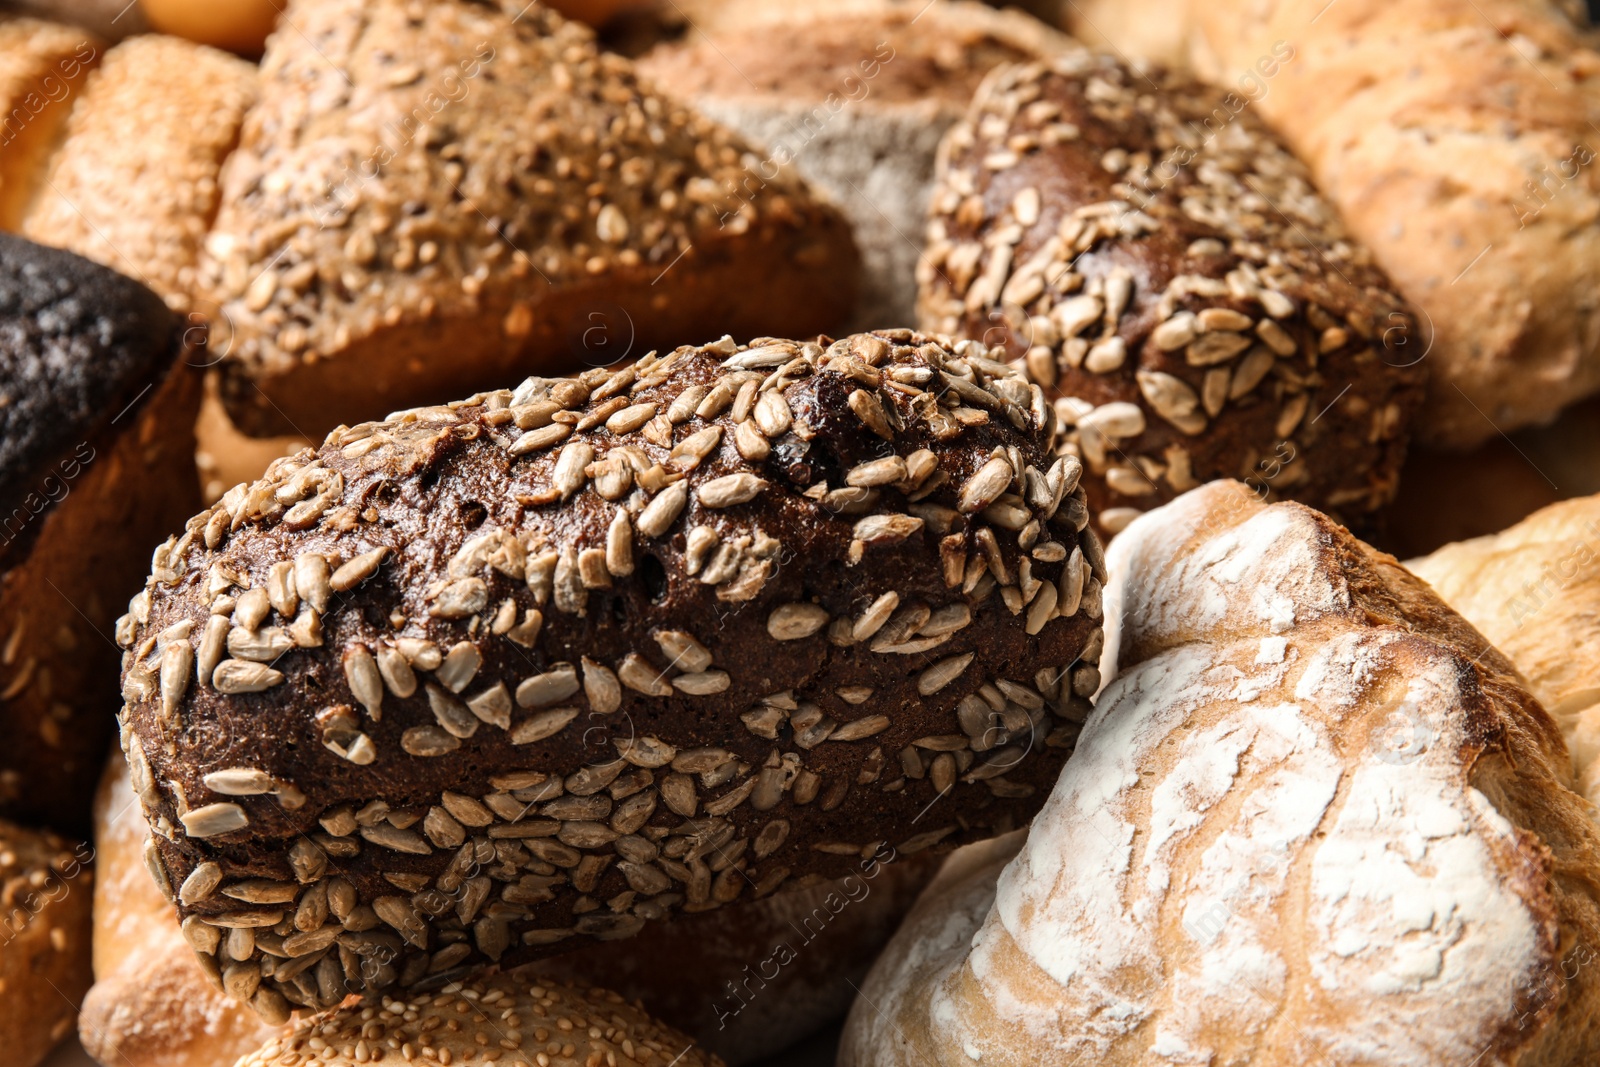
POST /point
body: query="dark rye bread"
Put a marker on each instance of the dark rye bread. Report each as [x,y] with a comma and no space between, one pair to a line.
[550,663]
[96,467]
[1157,258]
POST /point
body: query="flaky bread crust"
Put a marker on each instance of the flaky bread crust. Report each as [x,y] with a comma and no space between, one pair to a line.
[42,68]
[46,883]
[1314,819]
[134,183]
[150,1005]
[1534,590]
[421,208]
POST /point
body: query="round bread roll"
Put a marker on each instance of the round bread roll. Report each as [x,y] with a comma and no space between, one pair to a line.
[42,67]
[1166,267]
[420,207]
[45,887]
[1314,819]
[853,96]
[238,26]
[96,466]
[482,681]
[517,1017]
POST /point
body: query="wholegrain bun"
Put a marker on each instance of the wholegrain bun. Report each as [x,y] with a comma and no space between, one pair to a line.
[1176,280]
[852,96]
[518,1016]
[96,465]
[421,207]
[1315,818]
[45,887]
[796,595]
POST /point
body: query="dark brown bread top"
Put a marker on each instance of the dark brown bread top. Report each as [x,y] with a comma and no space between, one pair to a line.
[78,344]
[1160,261]
[549,663]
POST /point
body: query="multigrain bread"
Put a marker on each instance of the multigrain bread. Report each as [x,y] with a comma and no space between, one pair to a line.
[517,1017]
[1315,819]
[852,96]
[133,185]
[45,887]
[482,682]
[749,980]
[1456,138]
[1534,590]
[423,207]
[151,1005]
[42,66]
[1174,278]
[96,467]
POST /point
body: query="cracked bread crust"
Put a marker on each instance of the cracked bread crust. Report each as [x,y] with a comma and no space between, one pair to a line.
[484,680]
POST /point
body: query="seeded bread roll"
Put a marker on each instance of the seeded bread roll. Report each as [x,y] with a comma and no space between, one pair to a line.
[420,207]
[855,94]
[42,66]
[483,681]
[96,466]
[45,888]
[141,203]
[521,1018]
[1170,272]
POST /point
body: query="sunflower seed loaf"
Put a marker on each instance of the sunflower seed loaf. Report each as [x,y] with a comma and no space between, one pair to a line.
[481,681]
[1150,252]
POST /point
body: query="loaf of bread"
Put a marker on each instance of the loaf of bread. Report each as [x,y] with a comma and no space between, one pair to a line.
[1314,819]
[96,467]
[1195,306]
[749,980]
[240,26]
[46,884]
[1534,590]
[134,183]
[42,66]
[483,681]
[516,1017]
[1456,137]
[420,207]
[853,96]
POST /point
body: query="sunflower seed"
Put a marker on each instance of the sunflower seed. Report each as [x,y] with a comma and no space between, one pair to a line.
[877,613]
[981,490]
[1106,355]
[1218,318]
[943,673]
[456,718]
[663,511]
[541,690]
[396,671]
[263,646]
[861,728]
[386,836]
[366,684]
[214,819]
[239,782]
[619,545]
[750,443]
[1175,333]
[177,660]
[688,453]
[358,570]
[235,676]
[630,418]
[869,409]
[791,622]
[200,884]
[730,490]
[1255,366]
[600,687]
[682,651]
[647,752]
[540,439]
[682,407]
[1210,349]
[1043,608]
[1070,592]
[701,683]
[212,643]
[854,694]
[772,414]
[886,529]
[875,472]
[493,706]
[252,608]
[281,590]
[1172,398]
[638,674]
[1276,337]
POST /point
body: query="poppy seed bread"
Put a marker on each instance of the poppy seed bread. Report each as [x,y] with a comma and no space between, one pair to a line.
[480,681]
[1154,255]
[96,466]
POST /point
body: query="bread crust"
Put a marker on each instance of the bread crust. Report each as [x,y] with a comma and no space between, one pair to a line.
[1159,260]
[1300,737]
[42,67]
[486,182]
[780,524]
[45,888]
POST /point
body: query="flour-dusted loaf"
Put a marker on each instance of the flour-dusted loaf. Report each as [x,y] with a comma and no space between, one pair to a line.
[96,467]
[1457,139]
[133,183]
[1176,280]
[424,206]
[1314,819]
[1534,590]
[482,681]
[512,1018]
[853,96]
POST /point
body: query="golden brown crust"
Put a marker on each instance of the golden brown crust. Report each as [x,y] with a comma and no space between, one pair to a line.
[134,183]
[1158,259]
[45,889]
[562,1024]
[419,208]
[42,67]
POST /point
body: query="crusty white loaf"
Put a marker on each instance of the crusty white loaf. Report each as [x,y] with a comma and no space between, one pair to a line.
[42,67]
[1313,821]
[1457,137]
[1534,590]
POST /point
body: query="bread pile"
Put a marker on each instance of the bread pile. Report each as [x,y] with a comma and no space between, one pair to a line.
[675,499]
